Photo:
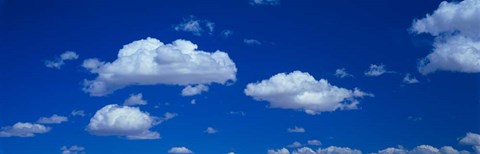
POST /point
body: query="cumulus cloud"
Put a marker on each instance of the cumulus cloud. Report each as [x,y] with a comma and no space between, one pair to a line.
[295,144]
[342,73]
[264,2]
[151,62]
[80,113]
[307,150]
[422,149]
[58,62]
[194,90]
[211,130]
[195,26]
[296,129]
[457,43]
[73,150]
[314,142]
[114,120]
[279,151]
[179,150]
[376,70]
[410,79]
[252,42]
[54,119]
[23,129]
[301,91]
[135,99]
[473,140]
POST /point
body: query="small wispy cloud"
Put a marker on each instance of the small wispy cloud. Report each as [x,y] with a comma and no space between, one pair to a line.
[195,26]
[296,129]
[410,79]
[264,2]
[252,42]
[342,73]
[58,62]
[211,130]
[377,70]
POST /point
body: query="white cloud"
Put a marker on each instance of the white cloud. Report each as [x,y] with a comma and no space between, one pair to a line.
[151,62]
[168,116]
[80,113]
[193,101]
[195,26]
[194,90]
[457,43]
[241,113]
[304,150]
[473,140]
[23,129]
[60,61]
[264,2]
[301,91]
[410,79]
[211,130]
[252,42]
[422,149]
[338,150]
[314,142]
[114,120]
[73,150]
[279,151]
[227,33]
[231,153]
[296,129]
[179,150]
[376,70]
[54,119]
[295,144]
[135,99]
[342,73]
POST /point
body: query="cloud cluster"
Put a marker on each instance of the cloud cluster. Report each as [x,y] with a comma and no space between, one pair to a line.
[422,149]
[60,61]
[195,26]
[473,140]
[23,129]
[135,99]
[150,62]
[180,150]
[54,119]
[73,150]
[264,2]
[307,150]
[457,43]
[114,120]
[301,91]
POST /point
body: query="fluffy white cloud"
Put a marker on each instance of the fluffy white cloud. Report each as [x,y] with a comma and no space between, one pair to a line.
[304,150]
[457,43]
[342,73]
[252,42]
[80,113]
[264,2]
[60,61]
[473,140]
[314,142]
[54,119]
[307,150]
[376,70]
[410,79]
[195,26]
[211,130]
[21,129]
[73,150]
[150,62]
[179,150]
[279,151]
[422,149]
[296,130]
[301,91]
[123,121]
[194,90]
[295,144]
[135,99]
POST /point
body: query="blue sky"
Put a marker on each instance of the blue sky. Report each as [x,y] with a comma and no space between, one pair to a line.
[239,76]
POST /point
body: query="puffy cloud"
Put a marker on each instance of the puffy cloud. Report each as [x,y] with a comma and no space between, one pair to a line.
[296,130]
[194,90]
[80,113]
[211,130]
[376,70]
[60,61]
[179,150]
[338,150]
[231,153]
[473,140]
[422,149]
[410,79]
[264,2]
[21,129]
[301,91]
[457,44]
[314,142]
[342,73]
[135,100]
[54,119]
[151,62]
[304,150]
[73,150]
[195,26]
[252,42]
[295,144]
[279,151]
[123,121]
